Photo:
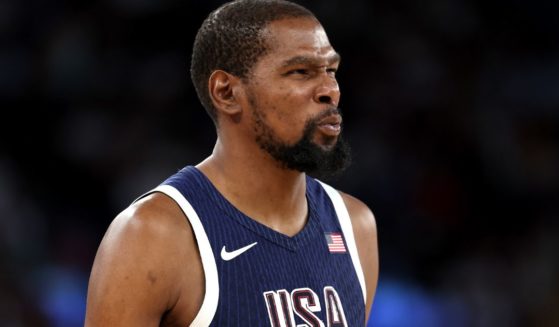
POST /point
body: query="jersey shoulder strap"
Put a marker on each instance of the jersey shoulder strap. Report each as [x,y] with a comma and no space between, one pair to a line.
[347,229]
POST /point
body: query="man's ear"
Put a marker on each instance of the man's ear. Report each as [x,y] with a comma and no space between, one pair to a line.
[223,88]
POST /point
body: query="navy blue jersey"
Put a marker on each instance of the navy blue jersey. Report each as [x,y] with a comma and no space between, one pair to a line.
[255,276]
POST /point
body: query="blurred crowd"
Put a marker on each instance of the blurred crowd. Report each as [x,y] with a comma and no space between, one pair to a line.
[451,108]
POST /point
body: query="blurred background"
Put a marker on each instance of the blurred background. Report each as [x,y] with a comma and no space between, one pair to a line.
[451,106]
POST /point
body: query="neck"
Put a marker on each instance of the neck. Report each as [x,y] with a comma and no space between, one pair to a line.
[258,186]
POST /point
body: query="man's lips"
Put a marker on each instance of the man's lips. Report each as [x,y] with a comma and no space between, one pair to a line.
[331,125]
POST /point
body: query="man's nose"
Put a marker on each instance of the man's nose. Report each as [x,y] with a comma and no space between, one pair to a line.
[328,92]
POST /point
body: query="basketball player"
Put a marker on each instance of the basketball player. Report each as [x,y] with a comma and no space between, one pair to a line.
[246,237]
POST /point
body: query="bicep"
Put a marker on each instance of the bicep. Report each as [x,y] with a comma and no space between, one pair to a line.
[129,282]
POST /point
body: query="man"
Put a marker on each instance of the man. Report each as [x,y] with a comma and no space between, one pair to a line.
[246,238]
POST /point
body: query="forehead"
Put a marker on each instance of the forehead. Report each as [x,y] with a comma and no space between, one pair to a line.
[293,37]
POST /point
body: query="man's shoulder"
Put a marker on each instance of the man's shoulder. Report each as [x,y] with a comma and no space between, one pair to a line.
[155,218]
[155,213]
[359,212]
[147,249]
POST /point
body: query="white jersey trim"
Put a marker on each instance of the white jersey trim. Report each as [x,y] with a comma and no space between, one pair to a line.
[211,298]
[347,230]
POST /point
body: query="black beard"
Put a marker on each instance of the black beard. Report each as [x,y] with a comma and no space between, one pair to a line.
[305,155]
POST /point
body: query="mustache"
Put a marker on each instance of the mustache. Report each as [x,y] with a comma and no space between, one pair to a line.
[326,113]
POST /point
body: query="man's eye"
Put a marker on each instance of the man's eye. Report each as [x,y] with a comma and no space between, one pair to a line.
[332,71]
[298,72]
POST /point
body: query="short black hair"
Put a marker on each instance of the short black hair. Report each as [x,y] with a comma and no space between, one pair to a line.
[231,39]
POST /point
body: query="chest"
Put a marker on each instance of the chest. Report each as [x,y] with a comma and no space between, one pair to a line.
[266,280]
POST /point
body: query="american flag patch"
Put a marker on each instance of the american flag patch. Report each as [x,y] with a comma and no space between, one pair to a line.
[335,242]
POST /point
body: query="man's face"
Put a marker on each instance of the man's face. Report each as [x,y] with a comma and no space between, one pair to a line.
[293,97]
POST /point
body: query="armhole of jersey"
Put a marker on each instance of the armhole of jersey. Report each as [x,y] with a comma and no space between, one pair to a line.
[347,230]
[209,304]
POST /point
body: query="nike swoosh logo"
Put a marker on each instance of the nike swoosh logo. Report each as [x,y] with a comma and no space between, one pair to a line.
[233,254]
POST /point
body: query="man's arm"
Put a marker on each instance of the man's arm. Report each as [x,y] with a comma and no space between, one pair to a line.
[146,259]
[365,231]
